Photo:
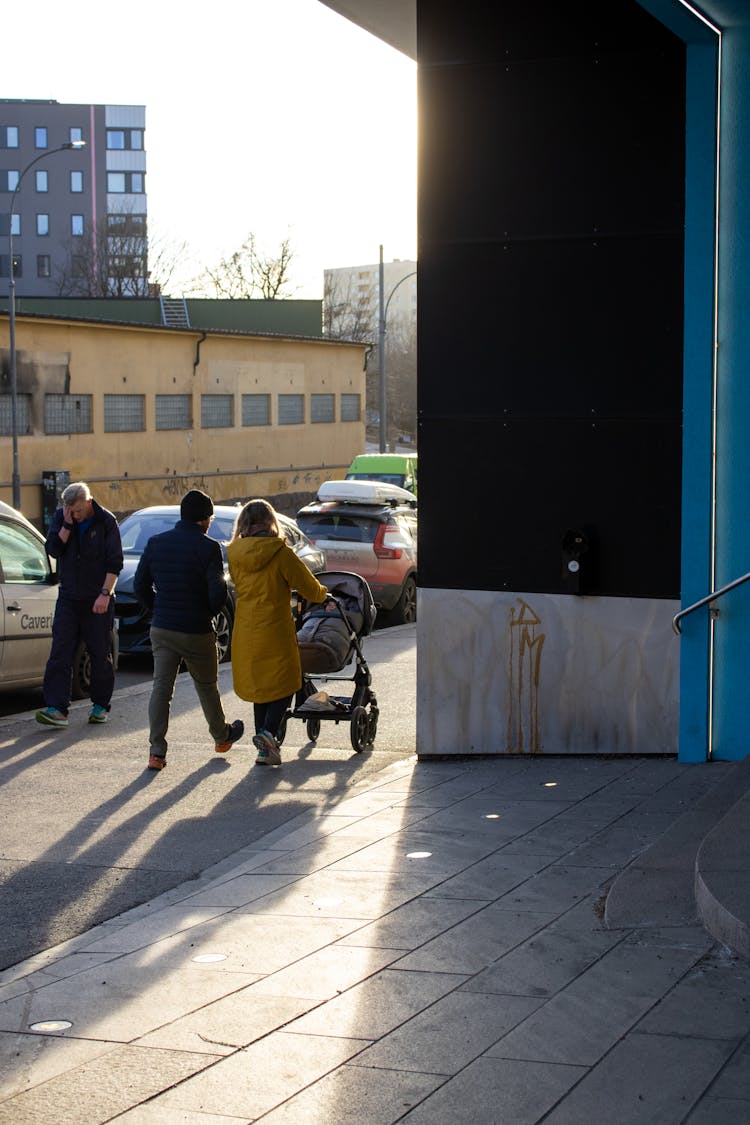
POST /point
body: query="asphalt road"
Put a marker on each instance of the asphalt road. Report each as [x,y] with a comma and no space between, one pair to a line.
[88,832]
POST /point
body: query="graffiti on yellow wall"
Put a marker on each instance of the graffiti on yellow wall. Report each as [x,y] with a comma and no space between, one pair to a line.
[526,644]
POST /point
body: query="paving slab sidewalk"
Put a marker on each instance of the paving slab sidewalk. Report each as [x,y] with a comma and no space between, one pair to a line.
[426,947]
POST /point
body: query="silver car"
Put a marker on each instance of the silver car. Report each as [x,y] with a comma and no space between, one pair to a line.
[28,595]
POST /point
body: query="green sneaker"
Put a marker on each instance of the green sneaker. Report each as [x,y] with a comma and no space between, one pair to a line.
[98,714]
[51,717]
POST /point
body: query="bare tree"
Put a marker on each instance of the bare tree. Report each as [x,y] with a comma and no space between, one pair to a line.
[109,260]
[347,315]
[248,273]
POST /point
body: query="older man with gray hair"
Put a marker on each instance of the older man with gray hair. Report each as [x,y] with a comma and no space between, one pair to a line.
[85,539]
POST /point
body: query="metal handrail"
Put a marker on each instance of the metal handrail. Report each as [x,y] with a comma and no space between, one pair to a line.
[706,601]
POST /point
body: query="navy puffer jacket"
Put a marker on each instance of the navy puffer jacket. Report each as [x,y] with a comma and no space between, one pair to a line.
[85,560]
[180,578]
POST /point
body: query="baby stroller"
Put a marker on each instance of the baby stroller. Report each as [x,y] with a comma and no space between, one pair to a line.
[329,636]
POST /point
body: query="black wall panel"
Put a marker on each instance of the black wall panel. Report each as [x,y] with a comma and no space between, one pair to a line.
[550,295]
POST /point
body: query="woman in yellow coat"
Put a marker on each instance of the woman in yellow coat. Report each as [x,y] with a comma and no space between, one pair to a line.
[265,657]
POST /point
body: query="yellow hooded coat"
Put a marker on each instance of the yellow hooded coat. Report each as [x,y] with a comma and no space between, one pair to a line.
[265,657]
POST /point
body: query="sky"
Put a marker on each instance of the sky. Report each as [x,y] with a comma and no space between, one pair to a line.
[276,117]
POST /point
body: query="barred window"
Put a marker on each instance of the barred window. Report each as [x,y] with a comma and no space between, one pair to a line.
[256,410]
[350,408]
[22,414]
[291,409]
[174,412]
[67,414]
[217,411]
[322,408]
[123,413]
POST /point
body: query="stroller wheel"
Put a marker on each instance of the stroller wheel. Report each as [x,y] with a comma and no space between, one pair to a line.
[372,727]
[313,729]
[359,729]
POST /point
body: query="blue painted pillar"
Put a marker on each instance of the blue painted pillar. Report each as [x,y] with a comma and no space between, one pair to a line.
[700,211]
[732,632]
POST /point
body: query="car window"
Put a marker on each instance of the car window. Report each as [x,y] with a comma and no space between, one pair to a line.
[221,529]
[409,524]
[347,528]
[136,530]
[22,557]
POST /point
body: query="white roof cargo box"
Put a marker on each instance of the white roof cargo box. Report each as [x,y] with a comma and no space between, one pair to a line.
[364,492]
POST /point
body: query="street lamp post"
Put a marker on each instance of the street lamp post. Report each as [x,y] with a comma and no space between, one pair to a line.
[16,479]
[381,344]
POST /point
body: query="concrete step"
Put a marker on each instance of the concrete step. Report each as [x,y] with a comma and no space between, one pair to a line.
[659,886]
[722,872]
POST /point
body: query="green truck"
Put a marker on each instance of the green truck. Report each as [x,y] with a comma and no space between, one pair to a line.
[393,468]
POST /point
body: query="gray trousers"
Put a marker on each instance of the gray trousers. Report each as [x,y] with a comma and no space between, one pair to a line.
[198,650]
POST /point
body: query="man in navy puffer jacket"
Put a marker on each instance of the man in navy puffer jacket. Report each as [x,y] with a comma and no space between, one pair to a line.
[180,578]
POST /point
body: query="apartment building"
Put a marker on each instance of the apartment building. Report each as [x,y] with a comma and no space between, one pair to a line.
[77,215]
[351,298]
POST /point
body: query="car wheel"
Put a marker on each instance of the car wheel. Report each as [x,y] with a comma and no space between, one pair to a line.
[80,687]
[404,611]
[81,683]
[223,624]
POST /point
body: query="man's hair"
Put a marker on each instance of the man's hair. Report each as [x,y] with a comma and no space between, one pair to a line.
[79,490]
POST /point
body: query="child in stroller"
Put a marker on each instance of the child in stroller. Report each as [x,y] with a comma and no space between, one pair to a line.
[329,636]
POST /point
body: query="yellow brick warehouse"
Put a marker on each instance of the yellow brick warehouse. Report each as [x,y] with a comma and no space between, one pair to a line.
[151,411]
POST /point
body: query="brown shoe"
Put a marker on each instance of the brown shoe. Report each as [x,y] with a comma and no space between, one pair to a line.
[235,731]
[156,763]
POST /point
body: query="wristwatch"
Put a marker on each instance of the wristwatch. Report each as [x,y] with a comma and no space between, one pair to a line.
[67,526]
[107,593]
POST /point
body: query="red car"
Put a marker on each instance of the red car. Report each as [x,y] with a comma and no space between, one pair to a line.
[370,528]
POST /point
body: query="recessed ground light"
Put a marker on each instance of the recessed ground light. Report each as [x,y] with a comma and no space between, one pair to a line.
[418,855]
[550,784]
[51,1025]
[327,901]
[492,816]
[209,958]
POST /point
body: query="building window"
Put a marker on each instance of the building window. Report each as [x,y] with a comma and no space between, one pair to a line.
[8,180]
[43,268]
[42,225]
[125,223]
[76,181]
[42,180]
[75,135]
[67,414]
[5,265]
[78,263]
[174,412]
[350,408]
[291,409]
[123,182]
[256,410]
[124,138]
[217,411]
[76,225]
[9,137]
[123,413]
[15,224]
[322,408]
[22,414]
[40,136]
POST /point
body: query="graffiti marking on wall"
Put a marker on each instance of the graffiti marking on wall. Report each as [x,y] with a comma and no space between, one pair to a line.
[526,644]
